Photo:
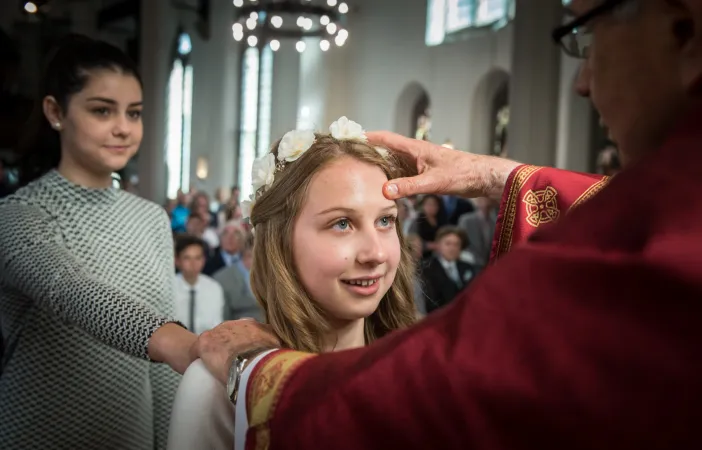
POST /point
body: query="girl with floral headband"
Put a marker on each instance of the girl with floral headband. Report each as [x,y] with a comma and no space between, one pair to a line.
[330,265]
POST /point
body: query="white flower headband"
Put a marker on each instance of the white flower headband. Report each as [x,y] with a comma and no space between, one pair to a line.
[291,147]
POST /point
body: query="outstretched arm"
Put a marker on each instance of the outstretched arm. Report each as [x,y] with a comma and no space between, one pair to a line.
[519,364]
[534,196]
[35,262]
[531,196]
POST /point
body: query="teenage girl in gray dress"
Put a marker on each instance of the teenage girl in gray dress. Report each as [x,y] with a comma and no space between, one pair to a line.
[86,272]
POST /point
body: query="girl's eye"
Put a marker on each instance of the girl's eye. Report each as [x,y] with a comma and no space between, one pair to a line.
[387,221]
[135,114]
[342,224]
[101,111]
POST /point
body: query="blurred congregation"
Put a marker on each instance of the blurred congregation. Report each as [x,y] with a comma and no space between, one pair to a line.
[450,238]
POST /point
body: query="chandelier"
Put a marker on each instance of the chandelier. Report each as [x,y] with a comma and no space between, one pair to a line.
[267,22]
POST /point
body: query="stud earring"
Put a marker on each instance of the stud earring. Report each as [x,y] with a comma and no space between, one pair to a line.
[57,126]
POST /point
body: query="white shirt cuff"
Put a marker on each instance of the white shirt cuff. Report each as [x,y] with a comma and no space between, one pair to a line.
[241,425]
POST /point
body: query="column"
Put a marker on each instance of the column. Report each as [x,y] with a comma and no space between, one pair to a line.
[286,83]
[84,18]
[534,85]
[158,26]
[9,12]
[323,93]
[574,124]
[216,83]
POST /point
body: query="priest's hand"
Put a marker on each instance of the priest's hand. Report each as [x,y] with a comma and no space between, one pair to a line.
[443,170]
[219,346]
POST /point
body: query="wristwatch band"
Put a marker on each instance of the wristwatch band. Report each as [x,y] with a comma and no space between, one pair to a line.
[237,369]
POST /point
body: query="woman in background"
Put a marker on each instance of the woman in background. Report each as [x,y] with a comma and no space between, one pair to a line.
[86,271]
[432,216]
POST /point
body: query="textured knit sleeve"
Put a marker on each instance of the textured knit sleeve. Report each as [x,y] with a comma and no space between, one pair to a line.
[35,262]
[164,381]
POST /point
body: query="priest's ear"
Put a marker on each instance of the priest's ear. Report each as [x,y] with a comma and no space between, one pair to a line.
[686,27]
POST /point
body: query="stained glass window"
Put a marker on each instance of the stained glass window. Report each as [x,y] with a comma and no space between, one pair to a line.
[445,17]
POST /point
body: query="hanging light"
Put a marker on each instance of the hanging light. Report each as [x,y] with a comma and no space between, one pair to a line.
[238,32]
[343,34]
[272,21]
[252,40]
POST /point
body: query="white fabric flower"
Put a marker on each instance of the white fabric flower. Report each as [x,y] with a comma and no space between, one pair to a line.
[344,129]
[246,206]
[382,152]
[263,172]
[294,144]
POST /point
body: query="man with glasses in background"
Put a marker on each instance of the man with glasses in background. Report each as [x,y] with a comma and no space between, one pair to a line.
[586,334]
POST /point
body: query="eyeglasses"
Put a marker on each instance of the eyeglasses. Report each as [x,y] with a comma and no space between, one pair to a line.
[575,36]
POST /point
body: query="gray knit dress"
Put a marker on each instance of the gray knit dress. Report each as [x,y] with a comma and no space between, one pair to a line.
[86,276]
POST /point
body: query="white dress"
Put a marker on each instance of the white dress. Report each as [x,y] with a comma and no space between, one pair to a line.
[202,415]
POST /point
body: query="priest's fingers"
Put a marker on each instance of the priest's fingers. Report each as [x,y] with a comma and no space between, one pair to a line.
[425,183]
[395,142]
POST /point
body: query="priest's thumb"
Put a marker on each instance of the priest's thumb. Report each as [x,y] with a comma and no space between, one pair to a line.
[406,187]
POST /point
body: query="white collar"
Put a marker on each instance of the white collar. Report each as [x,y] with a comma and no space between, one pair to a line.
[188,285]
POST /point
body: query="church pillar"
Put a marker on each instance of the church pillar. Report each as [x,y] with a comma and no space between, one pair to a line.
[84,19]
[221,54]
[9,13]
[534,89]
[157,34]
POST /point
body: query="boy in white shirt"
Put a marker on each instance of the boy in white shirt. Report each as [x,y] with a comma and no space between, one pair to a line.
[199,300]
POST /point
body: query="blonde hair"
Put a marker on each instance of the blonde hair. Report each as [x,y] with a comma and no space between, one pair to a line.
[298,321]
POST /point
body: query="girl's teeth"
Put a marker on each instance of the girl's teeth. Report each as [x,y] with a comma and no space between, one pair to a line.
[363,282]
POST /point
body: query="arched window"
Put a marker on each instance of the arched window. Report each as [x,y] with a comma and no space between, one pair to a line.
[179,117]
[255,117]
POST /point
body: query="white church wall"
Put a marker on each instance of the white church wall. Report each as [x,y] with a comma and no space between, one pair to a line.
[385,53]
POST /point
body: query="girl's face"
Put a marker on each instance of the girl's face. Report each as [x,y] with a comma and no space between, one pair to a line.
[345,243]
[101,129]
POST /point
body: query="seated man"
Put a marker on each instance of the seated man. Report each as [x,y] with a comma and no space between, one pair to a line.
[445,276]
[199,300]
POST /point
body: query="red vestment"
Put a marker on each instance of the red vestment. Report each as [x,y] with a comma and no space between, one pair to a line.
[586,335]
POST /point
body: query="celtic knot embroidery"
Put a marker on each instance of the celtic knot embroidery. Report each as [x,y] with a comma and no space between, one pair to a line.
[265,383]
[541,206]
